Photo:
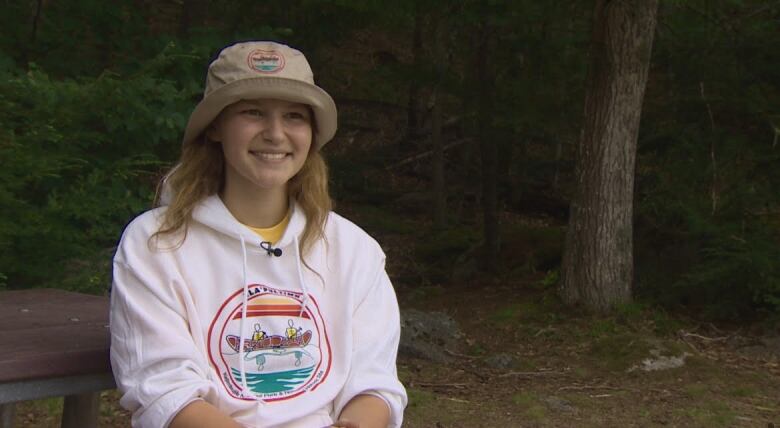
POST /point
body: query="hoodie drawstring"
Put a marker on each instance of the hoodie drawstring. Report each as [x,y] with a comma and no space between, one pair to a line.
[243,316]
[304,301]
[245,392]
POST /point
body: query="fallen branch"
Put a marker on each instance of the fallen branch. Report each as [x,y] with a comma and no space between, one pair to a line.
[456,354]
[695,349]
[457,400]
[442,385]
[766,409]
[531,374]
[585,387]
[545,330]
[428,153]
[698,336]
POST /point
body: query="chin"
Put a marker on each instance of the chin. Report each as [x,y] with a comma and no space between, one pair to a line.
[270,184]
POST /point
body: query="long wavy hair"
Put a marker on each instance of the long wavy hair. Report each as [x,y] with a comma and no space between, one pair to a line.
[200,173]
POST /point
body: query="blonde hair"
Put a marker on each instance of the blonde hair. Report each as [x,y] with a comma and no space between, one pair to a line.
[201,173]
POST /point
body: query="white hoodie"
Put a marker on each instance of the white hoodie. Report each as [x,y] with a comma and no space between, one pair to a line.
[311,341]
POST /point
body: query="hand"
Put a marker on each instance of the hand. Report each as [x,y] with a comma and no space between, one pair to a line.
[345,424]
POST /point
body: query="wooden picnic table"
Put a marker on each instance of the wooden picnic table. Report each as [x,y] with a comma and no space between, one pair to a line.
[54,343]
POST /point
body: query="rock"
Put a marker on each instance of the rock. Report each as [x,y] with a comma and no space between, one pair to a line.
[500,361]
[559,405]
[466,266]
[660,362]
[772,345]
[426,335]
[767,348]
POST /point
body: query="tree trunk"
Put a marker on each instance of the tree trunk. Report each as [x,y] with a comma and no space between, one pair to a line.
[26,50]
[487,149]
[185,19]
[414,107]
[598,261]
[36,21]
[439,184]
[192,15]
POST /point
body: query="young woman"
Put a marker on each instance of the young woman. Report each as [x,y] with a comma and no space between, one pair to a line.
[242,300]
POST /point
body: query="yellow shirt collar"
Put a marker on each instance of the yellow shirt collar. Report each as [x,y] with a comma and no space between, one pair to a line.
[274,233]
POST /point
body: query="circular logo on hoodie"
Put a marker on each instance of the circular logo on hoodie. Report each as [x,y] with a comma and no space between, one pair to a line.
[285,350]
[265,61]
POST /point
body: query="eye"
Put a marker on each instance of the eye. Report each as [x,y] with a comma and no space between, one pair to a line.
[252,112]
[296,115]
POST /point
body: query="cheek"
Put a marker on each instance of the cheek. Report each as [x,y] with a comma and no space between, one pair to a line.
[305,139]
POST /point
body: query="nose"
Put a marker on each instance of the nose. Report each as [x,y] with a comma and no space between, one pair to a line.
[274,128]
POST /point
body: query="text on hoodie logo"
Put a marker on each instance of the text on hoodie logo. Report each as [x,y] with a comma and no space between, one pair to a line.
[285,350]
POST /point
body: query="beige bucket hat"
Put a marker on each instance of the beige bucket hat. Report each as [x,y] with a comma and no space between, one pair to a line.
[252,70]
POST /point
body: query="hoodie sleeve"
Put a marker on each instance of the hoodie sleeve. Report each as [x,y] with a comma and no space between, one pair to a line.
[155,361]
[375,335]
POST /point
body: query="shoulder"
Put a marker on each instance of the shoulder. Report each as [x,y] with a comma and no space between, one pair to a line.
[144,225]
[136,236]
[357,256]
[341,232]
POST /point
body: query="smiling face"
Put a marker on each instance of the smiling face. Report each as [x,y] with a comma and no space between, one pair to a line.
[265,143]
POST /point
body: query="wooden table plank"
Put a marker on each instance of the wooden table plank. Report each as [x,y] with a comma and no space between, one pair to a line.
[52,333]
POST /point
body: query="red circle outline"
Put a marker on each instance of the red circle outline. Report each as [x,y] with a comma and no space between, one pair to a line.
[282,61]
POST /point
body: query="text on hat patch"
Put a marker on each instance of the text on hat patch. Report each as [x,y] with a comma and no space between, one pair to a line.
[265,61]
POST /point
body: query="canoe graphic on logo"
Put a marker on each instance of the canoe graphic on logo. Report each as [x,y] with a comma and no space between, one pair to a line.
[265,61]
[285,350]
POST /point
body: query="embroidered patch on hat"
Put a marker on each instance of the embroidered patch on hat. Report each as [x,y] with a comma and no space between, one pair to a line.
[265,61]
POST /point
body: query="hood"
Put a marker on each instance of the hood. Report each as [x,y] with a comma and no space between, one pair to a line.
[213,213]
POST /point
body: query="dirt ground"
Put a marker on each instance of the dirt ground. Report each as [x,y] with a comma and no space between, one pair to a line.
[584,371]
[528,362]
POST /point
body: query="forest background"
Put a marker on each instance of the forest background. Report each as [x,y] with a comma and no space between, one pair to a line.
[94,96]
[460,125]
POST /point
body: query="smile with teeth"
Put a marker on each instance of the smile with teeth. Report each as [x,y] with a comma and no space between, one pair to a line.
[268,156]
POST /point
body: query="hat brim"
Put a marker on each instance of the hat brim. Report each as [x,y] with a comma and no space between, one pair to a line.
[325,113]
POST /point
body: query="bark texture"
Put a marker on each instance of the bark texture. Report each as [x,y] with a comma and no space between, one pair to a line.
[598,266]
[414,106]
[487,147]
[439,184]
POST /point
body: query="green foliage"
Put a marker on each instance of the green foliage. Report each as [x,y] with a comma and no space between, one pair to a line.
[477,350]
[93,100]
[419,398]
[707,235]
[352,179]
[530,406]
[550,280]
[618,350]
[525,312]
[383,221]
[94,96]
[80,158]
[446,245]
[710,414]
[506,315]
[530,248]
[744,269]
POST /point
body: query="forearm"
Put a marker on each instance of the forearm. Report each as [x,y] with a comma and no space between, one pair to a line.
[200,414]
[369,411]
